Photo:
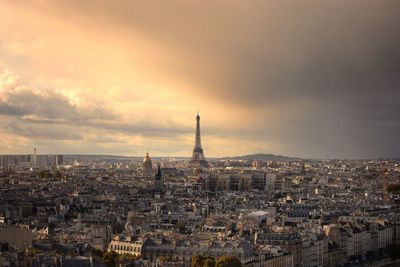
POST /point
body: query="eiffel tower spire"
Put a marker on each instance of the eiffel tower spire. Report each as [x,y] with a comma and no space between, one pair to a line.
[198,159]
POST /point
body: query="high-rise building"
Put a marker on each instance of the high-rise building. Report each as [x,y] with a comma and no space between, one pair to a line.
[198,160]
[58,160]
[147,166]
[34,159]
[42,160]
[4,160]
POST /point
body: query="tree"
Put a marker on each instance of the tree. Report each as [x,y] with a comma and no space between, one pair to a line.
[181,227]
[203,261]
[228,261]
[393,188]
[126,258]
[57,174]
[44,174]
[209,262]
[96,252]
[394,251]
[198,261]
[110,258]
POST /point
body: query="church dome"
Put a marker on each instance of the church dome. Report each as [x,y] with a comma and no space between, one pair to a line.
[147,158]
[147,166]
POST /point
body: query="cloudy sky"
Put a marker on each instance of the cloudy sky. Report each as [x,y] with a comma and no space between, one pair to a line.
[317,79]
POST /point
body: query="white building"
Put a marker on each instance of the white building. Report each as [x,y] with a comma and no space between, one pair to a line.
[122,245]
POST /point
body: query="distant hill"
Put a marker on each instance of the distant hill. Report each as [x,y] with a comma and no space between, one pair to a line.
[261,157]
[115,158]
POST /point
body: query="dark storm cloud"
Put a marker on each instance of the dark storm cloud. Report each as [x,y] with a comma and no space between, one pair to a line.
[268,52]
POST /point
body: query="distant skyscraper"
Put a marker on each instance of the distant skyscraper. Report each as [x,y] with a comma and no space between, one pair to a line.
[198,160]
[4,162]
[147,166]
[58,160]
[34,159]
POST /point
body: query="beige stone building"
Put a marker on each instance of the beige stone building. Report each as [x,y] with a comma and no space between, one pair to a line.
[122,245]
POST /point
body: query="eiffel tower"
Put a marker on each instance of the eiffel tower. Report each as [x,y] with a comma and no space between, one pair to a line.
[198,160]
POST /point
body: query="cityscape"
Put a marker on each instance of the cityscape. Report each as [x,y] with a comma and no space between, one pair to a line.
[264,210]
[292,158]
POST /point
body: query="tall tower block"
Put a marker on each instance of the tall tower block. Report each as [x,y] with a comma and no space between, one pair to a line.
[198,160]
[34,160]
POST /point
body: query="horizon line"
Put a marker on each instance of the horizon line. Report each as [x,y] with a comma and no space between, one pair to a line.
[213,157]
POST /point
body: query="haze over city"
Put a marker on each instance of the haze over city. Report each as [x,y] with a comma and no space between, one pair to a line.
[313,79]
